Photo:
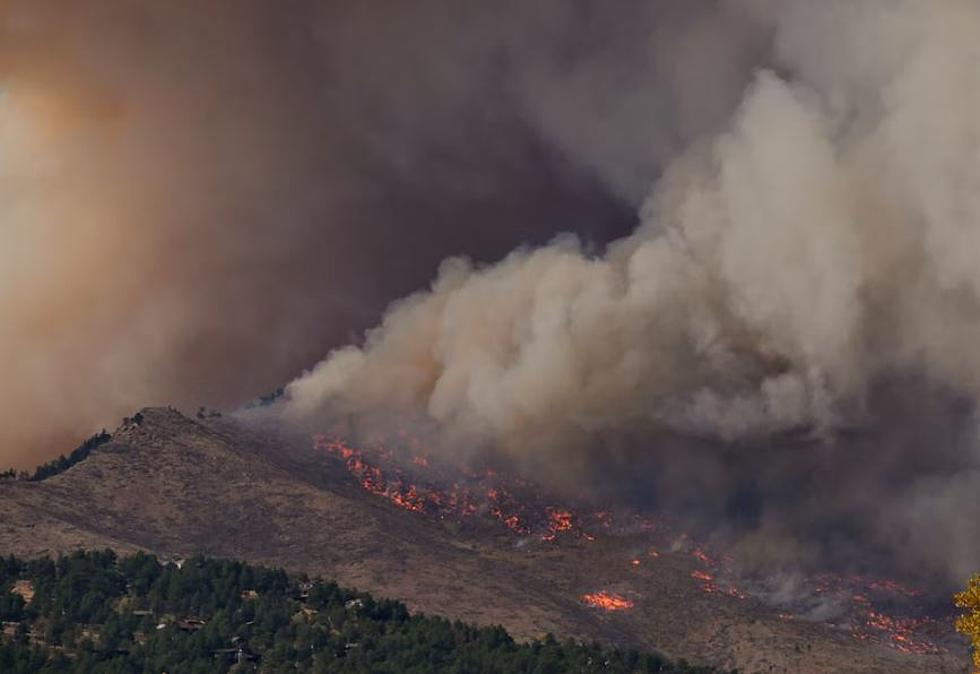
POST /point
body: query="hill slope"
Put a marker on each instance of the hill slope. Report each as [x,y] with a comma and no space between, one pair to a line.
[177,486]
[96,612]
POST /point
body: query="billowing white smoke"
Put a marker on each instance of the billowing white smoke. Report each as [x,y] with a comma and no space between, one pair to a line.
[831,233]
[829,240]
[185,195]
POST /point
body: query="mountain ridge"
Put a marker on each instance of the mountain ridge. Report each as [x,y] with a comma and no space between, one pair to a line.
[177,486]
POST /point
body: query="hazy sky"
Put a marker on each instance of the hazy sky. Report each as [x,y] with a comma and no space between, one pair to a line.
[200,199]
[775,202]
[788,337]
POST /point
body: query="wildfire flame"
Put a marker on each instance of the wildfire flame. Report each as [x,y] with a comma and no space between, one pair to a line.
[524,510]
[483,492]
[607,601]
[558,521]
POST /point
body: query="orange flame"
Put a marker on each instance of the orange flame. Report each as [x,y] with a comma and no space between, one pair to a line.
[522,512]
[607,601]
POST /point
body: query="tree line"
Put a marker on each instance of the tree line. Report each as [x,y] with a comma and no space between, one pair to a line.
[62,463]
[94,612]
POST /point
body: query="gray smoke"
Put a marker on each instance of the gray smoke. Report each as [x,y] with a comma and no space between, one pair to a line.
[197,199]
[792,324]
[762,314]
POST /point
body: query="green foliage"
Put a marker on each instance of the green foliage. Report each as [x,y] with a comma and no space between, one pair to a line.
[92,612]
[63,463]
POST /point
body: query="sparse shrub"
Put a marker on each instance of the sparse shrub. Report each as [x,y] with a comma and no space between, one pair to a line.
[969,622]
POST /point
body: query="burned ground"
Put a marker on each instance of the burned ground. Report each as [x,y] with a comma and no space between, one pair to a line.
[176,486]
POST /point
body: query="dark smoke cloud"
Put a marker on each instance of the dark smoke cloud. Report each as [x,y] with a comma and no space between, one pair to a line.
[199,197]
[787,339]
[766,322]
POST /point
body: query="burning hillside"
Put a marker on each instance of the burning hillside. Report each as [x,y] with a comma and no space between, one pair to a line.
[421,486]
[176,486]
[785,341]
[871,609]
[673,291]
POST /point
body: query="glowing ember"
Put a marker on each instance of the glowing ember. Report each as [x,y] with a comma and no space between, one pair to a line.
[561,520]
[736,593]
[875,610]
[503,508]
[607,601]
[710,586]
[511,505]
[865,599]
[897,632]
[701,556]
[558,521]
[893,587]
[394,488]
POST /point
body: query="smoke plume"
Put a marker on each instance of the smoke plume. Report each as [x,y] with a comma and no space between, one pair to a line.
[761,310]
[198,199]
[791,329]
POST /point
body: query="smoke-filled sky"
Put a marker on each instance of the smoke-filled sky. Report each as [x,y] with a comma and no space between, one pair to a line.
[199,199]
[767,221]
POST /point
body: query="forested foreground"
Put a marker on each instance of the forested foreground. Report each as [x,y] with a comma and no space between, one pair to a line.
[94,612]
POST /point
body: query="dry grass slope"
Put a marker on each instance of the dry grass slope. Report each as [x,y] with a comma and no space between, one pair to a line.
[177,486]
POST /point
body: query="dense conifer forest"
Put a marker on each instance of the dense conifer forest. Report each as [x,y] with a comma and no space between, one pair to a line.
[94,612]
